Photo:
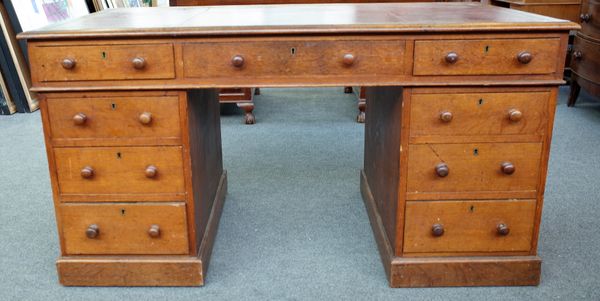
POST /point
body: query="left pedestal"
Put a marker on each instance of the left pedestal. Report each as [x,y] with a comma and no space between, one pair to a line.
[138,185]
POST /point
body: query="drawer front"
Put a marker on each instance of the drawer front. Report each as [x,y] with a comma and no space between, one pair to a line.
[473,167]
[469,226]
[102,62]
[124,228]
[119,170]
[301,58]
[586,61]
[114,117]
[590,19]
[486,57]
[518,113]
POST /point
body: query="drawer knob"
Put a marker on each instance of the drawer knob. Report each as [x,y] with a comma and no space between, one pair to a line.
[87,172]
[92,231]
[577,55]
[79,119]
[154,231]
[503,229]
[237,61]
[348,59]
[442,170]
[151,171]
[585,18]
[145,118]
[437,230]
[507,168]
[524,57]
[139,63]
[446,116]
[515,115]
[68,63]
[451,57]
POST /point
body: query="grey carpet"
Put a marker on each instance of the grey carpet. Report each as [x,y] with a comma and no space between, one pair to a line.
[294,226]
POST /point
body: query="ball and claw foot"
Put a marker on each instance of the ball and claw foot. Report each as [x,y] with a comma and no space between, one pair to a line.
[248,116]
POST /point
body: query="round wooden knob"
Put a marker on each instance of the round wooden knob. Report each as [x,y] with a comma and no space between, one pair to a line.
[577,55]
[585,18]
[442,170]
[502,229]
[68,63]
[451,57]
[507,168]
[348,59]
[87,172]
[237,61]
[154,231]
[92,231]
[524,57]
[151,171]
[139,63]
[145,118]
[79,119]
[437,230]
[446,116]
[515,115]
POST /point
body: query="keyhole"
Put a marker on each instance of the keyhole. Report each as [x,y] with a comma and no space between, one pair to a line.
[293,50]
[103,55]
[472,208]
[475,152]
[118,155]
[480,101]
[487,49]
[113,106]
[123,212]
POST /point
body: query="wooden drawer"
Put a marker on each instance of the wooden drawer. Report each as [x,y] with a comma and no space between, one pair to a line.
[590,19]
[121,228]
[119,170]
[586,59]
[518,113]
[469,226]
[294,58]
[101,62]
[486,57]
[114,117]
[473,167]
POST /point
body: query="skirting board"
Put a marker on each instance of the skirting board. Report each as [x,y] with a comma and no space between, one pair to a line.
[447,271]
[146,270]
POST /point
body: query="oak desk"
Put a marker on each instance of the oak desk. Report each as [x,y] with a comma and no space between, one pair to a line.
[457,135]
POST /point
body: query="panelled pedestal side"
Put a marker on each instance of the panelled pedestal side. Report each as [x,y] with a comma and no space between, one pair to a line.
[137,190]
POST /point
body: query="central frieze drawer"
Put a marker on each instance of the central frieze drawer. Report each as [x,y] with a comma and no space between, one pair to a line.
[486,57]
[478,167]
[469,226]
[518,113]
[302,58]
[102,62]
[121,228]
[120,170]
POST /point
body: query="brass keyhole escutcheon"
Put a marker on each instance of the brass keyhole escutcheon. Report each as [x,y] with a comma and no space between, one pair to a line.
[487,49]
[103,55]
[119,155]
[480,101]
[113,106]
[293,50]
[122,212]
[475,152]
[472,208]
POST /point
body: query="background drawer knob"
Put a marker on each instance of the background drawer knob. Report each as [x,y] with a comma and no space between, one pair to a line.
[145,118]
[237,61]
[348,59]
[451,57]
[502,229]
[507,168]
[437,230]
[151,171]
[154,231]
[68,63]
[585,18]
[87,172]
[92,231]
[524,57]
[79,119]
[446,116]
[442,170]
[139,63]
[577,55]
[515,115]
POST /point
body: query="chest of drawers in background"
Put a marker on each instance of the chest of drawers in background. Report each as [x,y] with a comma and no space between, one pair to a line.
[585,61]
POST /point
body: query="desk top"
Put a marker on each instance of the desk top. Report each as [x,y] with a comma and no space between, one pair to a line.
[298,19]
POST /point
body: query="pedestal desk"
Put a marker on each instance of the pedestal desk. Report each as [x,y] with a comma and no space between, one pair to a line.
[460,112]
